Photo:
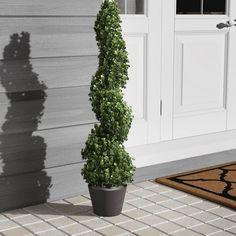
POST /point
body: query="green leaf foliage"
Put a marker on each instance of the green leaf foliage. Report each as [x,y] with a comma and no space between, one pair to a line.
[107,162]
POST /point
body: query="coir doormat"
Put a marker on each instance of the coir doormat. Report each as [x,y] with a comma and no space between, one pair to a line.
[216,183]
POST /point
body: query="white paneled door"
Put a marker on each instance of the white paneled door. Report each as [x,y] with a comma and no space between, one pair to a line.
[202,96]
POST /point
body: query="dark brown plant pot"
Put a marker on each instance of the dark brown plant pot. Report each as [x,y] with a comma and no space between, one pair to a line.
[107,201]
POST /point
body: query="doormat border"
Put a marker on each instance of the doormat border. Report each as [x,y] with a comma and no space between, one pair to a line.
[198,192]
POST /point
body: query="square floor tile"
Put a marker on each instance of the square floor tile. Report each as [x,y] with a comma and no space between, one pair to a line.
[205,229]
[39,209]
[174,194]
[27,219]
[84,217]
[169,227]
[205,205]
[223,233]
[149,232]
[186,232]
[75,229]
[91,233]
[85,206]
[67,209]
[127,207]
[161,189]
[172,204]
[39,227]
[189,210]
[205,216]
[158,198]
[77,200]
[133,226]
[137,213]
[232,218]
[7,224]
[112,230]
[116,220]
[131,188]
[188,222]
[96,224]
[43,211]
[171,215]
[130,197]
[141,203]
[15,213]
[53,232]
[2,218]
[61,222]
[222,223]
[143,193]
[19,231]
[189,200]
[147,184]
[155,209]
[222,212]
[232,230]
[152,220]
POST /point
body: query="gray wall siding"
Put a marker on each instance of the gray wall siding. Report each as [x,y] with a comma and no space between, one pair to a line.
[58,72]
[52,36]
[63,147]
[45,113]
[63,107]
[49,7]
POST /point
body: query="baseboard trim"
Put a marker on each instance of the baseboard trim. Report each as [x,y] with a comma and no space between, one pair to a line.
[174,167]
[179,149]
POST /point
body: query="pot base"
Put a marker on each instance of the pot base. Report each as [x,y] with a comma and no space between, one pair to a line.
[107,201]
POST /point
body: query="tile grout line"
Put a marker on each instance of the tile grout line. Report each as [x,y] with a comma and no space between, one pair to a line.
[204,200]
[201,200]
[157,214]
[43,220]
[161,194]
[129,202]
[20,226]
[81,221]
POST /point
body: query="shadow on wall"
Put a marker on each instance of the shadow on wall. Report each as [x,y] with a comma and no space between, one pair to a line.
[22,154]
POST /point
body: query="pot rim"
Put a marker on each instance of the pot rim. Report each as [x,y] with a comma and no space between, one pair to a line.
[107,189]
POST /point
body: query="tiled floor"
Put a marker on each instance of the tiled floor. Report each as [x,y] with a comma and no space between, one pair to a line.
[149,209]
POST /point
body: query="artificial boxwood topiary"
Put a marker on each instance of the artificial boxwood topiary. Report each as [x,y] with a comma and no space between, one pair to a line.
[107,162]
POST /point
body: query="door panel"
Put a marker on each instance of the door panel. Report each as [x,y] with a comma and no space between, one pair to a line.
[200,72]
[137,51]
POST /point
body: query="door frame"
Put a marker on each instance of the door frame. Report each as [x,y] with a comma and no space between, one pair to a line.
[167,68]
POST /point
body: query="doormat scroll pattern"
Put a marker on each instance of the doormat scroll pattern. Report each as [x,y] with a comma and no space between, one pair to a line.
[216,183]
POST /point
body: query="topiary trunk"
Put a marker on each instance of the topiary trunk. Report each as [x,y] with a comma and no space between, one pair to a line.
[107,162]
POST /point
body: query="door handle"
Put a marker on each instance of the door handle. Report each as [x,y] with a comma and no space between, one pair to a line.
[225,25]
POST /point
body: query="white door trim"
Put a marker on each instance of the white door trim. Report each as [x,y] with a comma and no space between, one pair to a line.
[167,68]
[145,96]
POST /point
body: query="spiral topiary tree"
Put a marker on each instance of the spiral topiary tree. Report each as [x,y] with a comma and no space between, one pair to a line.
[107,162]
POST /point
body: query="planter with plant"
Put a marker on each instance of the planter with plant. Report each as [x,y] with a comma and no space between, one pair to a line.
[108,167]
